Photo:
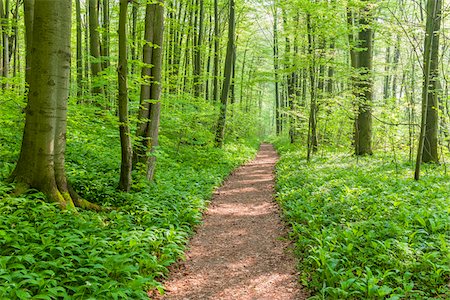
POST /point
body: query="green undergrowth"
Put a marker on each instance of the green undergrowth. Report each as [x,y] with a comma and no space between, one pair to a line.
[364,229]
[46,253]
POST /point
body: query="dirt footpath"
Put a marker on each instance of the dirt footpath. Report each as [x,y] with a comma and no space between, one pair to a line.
[239,252]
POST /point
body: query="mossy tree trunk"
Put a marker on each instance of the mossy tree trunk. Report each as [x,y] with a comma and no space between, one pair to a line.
[150,105]
[42,156]
[41,161]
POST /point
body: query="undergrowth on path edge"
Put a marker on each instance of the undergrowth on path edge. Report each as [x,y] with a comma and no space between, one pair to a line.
[46,253]
[364,229]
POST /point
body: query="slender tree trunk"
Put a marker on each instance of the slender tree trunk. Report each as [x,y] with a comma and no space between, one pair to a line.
[105,35]
[428,145]
[216,52]
[28,7]
[233,78]
[94,41]
[124,128]
[363,125]
[278,105]
[15,54]
[220,133]
[149,112]
[134,42]
[312,125]
[6,30]
[80,86]
[198,85]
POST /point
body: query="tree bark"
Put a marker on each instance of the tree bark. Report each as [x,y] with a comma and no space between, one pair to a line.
[94,41]
[276,67]
[216,52]
[428,141]
[28,7]
[198,83]
[6,56]
[150,105]
[124,128]
[220,133]
[41,161]
[105,35]
[312,125]
[79,58]
[363,124]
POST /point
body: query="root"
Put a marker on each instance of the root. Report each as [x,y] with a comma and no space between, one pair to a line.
[85,204]
[67,200]
[19,189]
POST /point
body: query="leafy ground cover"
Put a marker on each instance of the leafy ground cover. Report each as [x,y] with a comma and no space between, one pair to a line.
[364,229]
[46,253]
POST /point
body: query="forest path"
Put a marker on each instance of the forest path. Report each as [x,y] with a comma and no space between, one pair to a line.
[238,253]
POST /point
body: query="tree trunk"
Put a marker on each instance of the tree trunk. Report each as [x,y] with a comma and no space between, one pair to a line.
[94,40]
[312,125]
[28,8]
[80,86]
[105,35]
[278,105]
[41,161]
[216,52]
[363,124]
[134,42]
[220,133]
[124,128]
[198,83]
[428,142]
[149,111]
[6,29]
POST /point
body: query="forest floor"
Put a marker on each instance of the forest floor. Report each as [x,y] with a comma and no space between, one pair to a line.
[240,251]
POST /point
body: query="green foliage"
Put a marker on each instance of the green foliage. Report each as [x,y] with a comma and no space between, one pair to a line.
[49,254]
[364,229]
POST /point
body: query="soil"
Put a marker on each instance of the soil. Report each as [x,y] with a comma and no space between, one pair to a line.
[241,251]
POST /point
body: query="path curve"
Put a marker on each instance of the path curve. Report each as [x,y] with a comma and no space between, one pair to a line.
[238,253]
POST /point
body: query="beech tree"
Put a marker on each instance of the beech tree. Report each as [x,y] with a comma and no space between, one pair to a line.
[150,105]
[363,122]
[220,131]
[42,155]
[124,128]
[428,141]
[94,43]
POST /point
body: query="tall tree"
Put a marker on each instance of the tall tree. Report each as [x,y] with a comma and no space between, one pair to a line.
[198,85]
[363,122]
[312,142]
[216,52]
[28,7]
[220,133]
[79,50]
[124,128]
[6,31]
[150,99]
[428,141]
[94,41]
[276,67]
[41,161]
[105,34]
